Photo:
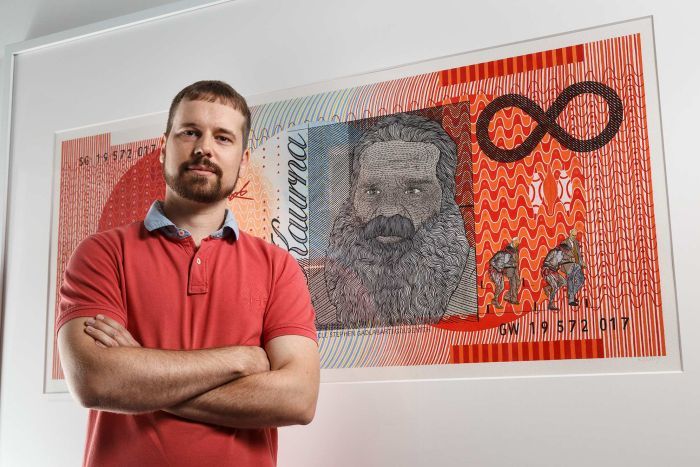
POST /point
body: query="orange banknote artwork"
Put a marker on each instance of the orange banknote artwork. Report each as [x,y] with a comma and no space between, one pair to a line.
[508,210]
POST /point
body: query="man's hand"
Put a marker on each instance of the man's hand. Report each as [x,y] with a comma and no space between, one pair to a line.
[109,333]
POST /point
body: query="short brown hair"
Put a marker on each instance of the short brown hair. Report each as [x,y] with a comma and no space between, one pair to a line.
[212,91]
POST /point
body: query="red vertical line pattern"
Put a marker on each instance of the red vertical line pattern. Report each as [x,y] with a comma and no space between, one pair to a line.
[644,335]
[518,64]
[554,350]
[83,191]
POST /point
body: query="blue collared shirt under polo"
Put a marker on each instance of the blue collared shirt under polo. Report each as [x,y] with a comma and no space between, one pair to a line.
[156,219]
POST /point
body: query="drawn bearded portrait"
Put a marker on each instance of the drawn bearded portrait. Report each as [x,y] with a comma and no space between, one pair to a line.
[398,251]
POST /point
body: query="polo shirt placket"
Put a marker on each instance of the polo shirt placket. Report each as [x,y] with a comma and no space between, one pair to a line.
[198,281]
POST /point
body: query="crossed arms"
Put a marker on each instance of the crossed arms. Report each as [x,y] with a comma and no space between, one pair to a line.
[238,386]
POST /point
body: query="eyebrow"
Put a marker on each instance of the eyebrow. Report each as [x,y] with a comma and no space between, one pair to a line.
[419,181]
[216,130]
[224,130]
[411,181]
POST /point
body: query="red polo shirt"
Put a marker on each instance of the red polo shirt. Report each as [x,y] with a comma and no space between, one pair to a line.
[171,295]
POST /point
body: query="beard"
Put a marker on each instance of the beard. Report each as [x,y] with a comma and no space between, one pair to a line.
[406,282]
[196,187]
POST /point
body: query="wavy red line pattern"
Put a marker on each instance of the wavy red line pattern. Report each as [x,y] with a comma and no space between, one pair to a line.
[503,209]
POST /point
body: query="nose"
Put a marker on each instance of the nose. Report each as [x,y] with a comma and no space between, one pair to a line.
[389,206]
[206,143]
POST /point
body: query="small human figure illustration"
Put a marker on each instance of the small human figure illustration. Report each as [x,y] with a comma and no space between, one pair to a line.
[504,263]
[574,269]
[564,258]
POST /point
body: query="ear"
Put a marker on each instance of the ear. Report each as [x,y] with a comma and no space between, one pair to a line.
[245,160]
[161,157]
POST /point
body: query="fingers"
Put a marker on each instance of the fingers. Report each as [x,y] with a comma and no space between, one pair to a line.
[102,339]
[110,333]
[124,337]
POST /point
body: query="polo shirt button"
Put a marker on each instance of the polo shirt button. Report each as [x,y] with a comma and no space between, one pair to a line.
[199,261]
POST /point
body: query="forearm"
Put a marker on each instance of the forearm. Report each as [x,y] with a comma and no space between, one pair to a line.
[141,380]
[252,396]
[275,398]
[107,369]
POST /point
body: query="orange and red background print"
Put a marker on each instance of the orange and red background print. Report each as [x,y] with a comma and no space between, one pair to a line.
[606,194]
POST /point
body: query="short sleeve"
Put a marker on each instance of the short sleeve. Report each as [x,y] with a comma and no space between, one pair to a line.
[289,310]
[92,282]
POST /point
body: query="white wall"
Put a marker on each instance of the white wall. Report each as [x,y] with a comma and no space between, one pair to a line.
[604,420]
[27,19]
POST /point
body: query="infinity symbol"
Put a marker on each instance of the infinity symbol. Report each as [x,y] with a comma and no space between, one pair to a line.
[547,122]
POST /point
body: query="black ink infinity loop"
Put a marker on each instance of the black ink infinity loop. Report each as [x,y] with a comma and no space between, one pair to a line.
[547,122]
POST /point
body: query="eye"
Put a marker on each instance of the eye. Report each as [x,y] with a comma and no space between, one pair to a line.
[189,133]
[224,139]
[372,191]
[413,191]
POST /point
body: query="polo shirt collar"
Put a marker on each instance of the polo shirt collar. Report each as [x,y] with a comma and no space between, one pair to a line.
[156,220]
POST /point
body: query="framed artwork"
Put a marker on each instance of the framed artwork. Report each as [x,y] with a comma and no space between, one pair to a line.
[495,213]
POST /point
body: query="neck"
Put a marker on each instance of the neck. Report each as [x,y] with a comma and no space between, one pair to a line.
[200,219]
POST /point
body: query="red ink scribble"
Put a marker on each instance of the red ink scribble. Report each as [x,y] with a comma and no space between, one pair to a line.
[240,194]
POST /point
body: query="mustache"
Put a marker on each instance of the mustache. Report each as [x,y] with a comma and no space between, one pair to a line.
[394,226]
[203,161]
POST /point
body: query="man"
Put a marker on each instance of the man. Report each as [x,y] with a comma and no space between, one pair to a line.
[188,339]
[566,256]
[504,263]
[555,259]
[574,269]
[398,251]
